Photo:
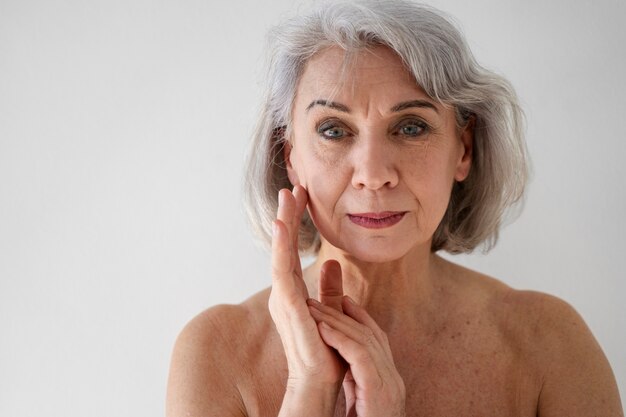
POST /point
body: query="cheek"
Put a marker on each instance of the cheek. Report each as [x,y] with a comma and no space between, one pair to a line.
[429,177]
[325,177]
[436,198]
[322,203]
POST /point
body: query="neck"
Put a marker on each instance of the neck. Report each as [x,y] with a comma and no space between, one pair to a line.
[391,292]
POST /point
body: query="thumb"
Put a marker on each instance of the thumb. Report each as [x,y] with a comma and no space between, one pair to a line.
[330,285]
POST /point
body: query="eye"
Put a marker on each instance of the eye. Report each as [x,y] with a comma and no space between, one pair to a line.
[412,128]
[332,130]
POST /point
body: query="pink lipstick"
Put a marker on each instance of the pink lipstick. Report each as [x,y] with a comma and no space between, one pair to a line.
[377,220]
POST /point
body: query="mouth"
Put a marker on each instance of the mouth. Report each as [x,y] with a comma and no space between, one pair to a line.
[377,220]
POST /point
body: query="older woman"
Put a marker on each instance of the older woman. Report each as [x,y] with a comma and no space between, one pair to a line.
[382,141]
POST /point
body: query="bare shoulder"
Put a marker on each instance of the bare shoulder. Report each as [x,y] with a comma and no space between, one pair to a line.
[530,314]
[576,378]
[208,360]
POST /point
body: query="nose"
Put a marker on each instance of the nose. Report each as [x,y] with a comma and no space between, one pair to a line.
[374,163]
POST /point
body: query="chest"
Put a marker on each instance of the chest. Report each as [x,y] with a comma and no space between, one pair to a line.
[469,375]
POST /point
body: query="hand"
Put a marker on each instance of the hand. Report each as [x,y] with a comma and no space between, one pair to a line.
[311,362]
[373,386]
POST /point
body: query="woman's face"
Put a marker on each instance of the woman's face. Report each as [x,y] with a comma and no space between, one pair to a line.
[376,154]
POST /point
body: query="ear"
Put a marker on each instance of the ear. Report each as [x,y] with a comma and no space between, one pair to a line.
[287,155]
[467,140]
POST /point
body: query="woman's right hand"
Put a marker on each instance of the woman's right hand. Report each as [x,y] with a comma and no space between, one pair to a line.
[313,366]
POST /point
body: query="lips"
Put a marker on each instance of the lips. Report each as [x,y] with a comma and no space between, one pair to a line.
[377,220]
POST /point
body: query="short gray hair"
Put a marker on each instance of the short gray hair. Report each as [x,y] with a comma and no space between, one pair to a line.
[442,64]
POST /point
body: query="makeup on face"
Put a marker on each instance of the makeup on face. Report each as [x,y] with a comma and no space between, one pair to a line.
[377,155]
[377,220]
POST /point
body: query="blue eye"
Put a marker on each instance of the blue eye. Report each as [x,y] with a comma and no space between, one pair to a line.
[331,131]
[334,132]
[413,128]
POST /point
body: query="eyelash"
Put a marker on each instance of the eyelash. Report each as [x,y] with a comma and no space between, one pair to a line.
[335,124]
[423,126]
[329,125]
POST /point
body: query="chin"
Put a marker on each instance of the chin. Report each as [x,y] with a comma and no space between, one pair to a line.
[376,249]
[373,257]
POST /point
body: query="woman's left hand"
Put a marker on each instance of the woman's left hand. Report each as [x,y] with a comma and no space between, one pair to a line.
[373,386]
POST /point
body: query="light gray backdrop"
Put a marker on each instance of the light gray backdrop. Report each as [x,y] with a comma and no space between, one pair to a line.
[123,125]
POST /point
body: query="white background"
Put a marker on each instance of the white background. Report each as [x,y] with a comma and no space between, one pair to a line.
[123,126]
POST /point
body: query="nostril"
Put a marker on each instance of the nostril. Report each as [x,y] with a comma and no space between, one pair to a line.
[374,179]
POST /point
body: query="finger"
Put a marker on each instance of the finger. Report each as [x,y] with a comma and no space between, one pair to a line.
[281,252]
[367,364]
[301,198]
[346,326]
[287,206]
[284,277]
[360,331]
[349,390]
[286,301]
[358,313]
[286,210]
[330,285]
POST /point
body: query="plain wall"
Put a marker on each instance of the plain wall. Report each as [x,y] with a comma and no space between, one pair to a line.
[123,127]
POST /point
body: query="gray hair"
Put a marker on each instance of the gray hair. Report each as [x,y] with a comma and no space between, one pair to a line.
[442,64]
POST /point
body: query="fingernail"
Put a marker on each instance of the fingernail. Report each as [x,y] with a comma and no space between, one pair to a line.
[350,300]
[274,229]
[313,302]
[280,198]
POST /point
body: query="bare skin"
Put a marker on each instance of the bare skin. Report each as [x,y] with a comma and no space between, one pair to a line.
[494,352]
[424,337]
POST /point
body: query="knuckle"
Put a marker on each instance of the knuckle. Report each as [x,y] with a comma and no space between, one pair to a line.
[331,292]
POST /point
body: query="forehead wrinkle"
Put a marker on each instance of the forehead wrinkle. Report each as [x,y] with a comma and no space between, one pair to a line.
[326,75]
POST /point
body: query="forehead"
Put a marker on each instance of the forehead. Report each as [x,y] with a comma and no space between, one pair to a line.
[377,69]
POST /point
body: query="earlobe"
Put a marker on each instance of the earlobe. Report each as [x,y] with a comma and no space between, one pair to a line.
[465,163]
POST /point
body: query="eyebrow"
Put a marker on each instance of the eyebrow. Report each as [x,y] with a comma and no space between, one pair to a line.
[398,107]
[414,103]
[327,103]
